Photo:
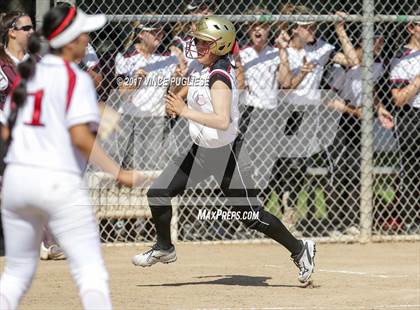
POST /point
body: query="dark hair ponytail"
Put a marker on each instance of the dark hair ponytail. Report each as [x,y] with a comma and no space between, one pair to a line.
[26,71]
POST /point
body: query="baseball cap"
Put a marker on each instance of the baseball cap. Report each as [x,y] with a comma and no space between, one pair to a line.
[150,26]
[74,24]
[305,23]
[196,4]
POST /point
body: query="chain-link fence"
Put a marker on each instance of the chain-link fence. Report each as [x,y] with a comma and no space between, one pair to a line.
[334,154]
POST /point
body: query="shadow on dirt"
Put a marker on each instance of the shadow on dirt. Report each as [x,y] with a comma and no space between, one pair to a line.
[239,280]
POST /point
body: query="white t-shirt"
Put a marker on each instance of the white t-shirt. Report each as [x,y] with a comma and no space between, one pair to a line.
[41,135]
[91,59]
[351,88]
[15,59]
[308,91]
[336,77]
[261,85]
[148,99]
[404,70]
[199,99]
[4,82]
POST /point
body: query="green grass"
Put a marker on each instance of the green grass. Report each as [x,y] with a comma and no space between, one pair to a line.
[274,203]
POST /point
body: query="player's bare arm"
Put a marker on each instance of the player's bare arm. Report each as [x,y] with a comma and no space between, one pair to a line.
[284,74]
[404,95]
[351,57]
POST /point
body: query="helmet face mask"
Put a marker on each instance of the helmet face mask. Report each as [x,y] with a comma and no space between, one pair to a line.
[196,49]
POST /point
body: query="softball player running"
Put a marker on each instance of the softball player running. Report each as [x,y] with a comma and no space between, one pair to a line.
[212,113]
[50,115]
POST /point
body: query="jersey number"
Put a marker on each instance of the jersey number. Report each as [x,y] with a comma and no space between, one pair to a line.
[36,116]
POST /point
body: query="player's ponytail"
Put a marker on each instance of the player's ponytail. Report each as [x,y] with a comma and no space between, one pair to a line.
[26,71]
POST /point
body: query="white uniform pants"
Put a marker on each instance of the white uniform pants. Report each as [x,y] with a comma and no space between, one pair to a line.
[33,197]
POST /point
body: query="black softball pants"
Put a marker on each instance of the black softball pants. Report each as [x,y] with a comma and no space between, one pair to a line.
[231,169]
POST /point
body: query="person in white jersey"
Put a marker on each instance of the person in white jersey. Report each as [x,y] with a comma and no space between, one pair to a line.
[212,113]
[49,118]
[141,72]
[266,70]
[265,67]
[142,77]
[308,56]
[50,250]
[405,89]
[344,191]
[15,29]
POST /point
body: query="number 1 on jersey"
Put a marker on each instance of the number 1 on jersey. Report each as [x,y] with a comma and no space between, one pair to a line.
[36,116]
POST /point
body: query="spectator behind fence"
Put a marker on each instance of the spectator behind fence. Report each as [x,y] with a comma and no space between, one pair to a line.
[266,69]
[15,28]
[308,56]
[91,64]
[109,117]
[343,199]
[143,78]
[405,89]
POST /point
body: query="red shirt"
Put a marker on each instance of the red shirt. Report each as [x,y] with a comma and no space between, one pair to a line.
[9,70]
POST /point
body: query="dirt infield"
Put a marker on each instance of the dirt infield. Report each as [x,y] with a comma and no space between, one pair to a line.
[373,276]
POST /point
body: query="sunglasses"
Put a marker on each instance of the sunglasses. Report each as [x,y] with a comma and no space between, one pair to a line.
[25,28]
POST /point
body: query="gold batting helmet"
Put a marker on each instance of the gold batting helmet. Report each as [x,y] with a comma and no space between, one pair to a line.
[219,31]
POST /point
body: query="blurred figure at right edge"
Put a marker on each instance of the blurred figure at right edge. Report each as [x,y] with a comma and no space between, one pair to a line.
[405,89]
